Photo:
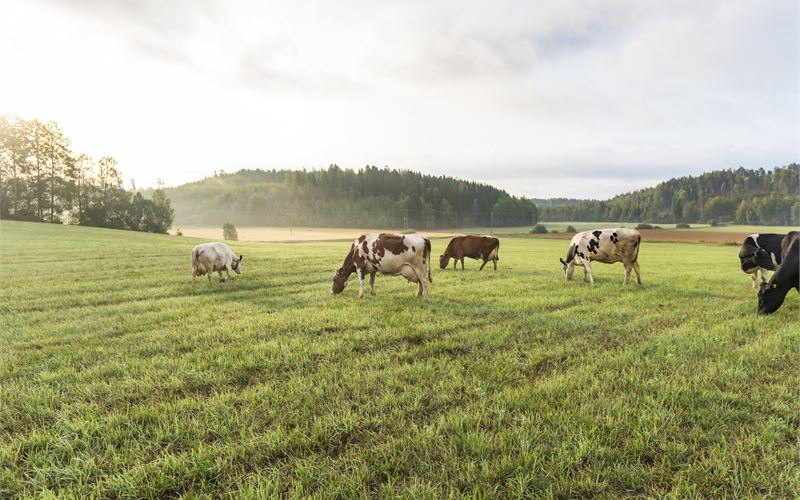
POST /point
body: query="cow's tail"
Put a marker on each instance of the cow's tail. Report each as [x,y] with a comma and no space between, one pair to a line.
[195,255]
[496,250]
[637,244]
[427,256]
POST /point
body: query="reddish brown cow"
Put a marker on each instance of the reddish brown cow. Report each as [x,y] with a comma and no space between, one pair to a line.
[474,247]
[407,255]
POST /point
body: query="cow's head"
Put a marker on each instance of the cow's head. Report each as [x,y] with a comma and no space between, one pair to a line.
[762,258]
[569,264]
[444,259]
[344,272]
[770,297]
[340,280]
[237,264]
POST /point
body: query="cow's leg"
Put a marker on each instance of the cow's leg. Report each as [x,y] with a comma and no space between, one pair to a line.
[455,263]
[484,263]
[628,269]
[763,275]
[209,277]
[638,276]
[372,283]
[462,262]
[422,277]
[494,262]
[360,274]
[587,266]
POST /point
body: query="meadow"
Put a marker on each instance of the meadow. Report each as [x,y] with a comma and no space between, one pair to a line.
[118,379]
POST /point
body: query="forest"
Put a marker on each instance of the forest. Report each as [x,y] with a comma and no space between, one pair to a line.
[43,180]
[740,196]
[369,197]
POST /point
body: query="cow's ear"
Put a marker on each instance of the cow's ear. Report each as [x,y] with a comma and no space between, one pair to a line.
[562,261]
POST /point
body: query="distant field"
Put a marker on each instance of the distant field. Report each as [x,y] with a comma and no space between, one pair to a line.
[583,226]
[117,379]
[257,233]
[699,232]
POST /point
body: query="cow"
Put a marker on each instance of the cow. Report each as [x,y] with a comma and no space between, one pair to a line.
[474,247]
[210,257]
[606,246]
[408,255]
[786,277]
[760,253]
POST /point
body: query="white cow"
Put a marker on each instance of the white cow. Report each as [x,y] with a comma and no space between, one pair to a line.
[210,257]
[408,255]
[606,246]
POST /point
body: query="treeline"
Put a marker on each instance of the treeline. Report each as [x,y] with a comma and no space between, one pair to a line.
[43,180]
[740,196]
[370,197]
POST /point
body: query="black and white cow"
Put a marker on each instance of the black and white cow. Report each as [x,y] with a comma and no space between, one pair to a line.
[760,253]
[606,246]
[786,277]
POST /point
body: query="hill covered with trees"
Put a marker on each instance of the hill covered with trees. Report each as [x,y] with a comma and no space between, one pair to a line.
[43,180]
[742,196]
[370,197]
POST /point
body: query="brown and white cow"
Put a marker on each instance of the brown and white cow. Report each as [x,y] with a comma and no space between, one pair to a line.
[474,247]
[606,246]
[408,255]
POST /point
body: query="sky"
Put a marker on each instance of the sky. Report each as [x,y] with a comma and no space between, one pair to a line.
[549,98]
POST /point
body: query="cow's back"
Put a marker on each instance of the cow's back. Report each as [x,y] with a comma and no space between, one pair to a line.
[477,246]
[608,245]
[209,257]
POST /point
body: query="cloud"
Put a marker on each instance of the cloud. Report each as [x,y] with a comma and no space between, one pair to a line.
[532,97]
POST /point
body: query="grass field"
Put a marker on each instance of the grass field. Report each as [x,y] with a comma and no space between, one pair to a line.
[120,380]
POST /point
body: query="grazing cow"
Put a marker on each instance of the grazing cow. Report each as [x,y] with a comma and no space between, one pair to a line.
[474,247]
[210,257]
[760,252]
[786,277]
[606,246]
[408,255]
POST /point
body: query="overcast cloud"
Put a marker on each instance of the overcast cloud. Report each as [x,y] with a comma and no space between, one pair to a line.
[559,98]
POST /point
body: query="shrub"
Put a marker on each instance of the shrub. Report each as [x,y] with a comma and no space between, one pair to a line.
[682,225]
[644,225]
[178,232]
[570,229]
[229,232]
[712,223]
[538,229]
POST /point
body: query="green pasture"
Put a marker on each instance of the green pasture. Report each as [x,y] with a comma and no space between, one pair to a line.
[117,379]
